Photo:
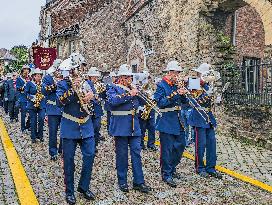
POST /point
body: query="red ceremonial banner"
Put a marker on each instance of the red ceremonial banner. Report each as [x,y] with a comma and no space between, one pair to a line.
[44,57]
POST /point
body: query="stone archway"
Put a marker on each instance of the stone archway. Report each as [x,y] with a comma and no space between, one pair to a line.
[264,8]
[253,34]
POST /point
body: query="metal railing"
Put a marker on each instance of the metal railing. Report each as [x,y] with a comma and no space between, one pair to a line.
[250,84]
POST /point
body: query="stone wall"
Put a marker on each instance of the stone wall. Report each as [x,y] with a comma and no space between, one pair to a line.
[104,36]
[249,123]
[183,30]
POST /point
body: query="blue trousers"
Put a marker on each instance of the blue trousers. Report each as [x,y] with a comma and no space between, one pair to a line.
[108,120]
[87,146]
[13,110]
[36,122]
[23,110]
[186,125]
[172,147]
[53,126]
[97,127]
[5,104]
[121,151]
[205,140]
[148,125]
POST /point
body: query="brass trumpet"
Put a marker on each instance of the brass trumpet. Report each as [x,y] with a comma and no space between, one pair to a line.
[80,92]
[192,101]
[150,103]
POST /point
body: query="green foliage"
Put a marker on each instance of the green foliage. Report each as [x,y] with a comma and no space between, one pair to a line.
[225,44]
[21,53]
[227,50]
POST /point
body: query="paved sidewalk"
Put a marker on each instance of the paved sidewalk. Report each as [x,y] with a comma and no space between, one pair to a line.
[8,194]
[246,159]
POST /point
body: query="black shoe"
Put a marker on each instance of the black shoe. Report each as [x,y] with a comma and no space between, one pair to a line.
[176,175]
[142,188]
[203,174]
[87,194]
[33,141]
[54,158]
[216,175]
[41,139]
[124,188]
[70,199]
[152,148]
[170,182]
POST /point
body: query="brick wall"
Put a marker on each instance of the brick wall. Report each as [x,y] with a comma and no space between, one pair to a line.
[250,36]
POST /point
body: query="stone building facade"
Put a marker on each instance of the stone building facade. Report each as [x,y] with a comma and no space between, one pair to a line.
[148,33]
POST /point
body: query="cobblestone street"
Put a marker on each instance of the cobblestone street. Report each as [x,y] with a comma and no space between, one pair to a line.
[46,177]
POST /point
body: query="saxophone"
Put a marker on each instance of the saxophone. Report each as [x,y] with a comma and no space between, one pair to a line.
[146,112]
[80,91]
[99,87]
[39,96]
[147,107]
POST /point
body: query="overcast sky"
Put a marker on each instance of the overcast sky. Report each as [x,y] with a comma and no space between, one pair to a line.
[19,22]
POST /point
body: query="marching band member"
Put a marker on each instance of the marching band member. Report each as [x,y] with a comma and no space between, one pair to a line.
[204,128]
[35,105]
[147,116]
[172,138]
[125,127]
[5,103]
[106,105]
[20,86]
[53,112]
[76,127]
[93,75]
[12,96]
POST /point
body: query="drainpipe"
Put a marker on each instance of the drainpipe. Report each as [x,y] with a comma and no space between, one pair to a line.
[234,28]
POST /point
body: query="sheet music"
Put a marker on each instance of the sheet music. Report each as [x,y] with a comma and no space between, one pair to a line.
[194,84]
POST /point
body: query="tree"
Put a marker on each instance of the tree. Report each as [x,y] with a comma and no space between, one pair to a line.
[21,53]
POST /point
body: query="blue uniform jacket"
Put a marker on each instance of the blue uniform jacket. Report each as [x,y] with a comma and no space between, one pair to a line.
[169,122]
[67,99]
[123,125]
[98,111]
[20,86]
[49,89]
[11,91]
[31,91]
[195,118]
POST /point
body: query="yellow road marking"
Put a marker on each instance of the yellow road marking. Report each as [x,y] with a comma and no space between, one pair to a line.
[23,187]
[232,173]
